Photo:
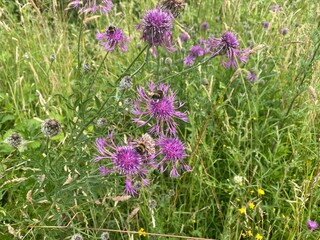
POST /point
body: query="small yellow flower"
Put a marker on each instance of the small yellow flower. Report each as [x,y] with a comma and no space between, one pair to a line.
[249,233]
[243,235]
[261,191]
[242,210]
[251,205]
[258,236]
[142,232]
[194,221]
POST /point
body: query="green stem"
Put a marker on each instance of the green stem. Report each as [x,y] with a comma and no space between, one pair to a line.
[188,69]
[142,65]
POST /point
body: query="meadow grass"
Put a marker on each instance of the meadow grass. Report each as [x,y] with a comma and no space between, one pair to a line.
[253,147]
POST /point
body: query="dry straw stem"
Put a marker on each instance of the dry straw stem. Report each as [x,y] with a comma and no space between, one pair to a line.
[121,231]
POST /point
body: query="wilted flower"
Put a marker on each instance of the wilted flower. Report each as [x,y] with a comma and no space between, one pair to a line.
[204,26]
[184,37]
[52,58]
[173,6]
[284,31]
[101,122]
[152,203]
[160,106]
[173,152]
[14,140]
[92,6]
[125,160]
[312,225]
[111,38]
[168,61]
[77,236]
[50,127]
[227,45]
[126,83]
[265,24]
[104,236]
[194,52]
[156,29]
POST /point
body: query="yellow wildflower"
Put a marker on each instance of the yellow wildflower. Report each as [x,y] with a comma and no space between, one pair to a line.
[142,232]
[251,205]
[261,191]
[258,236]
[249,233]
[194,221]
[243,235]
[242,210]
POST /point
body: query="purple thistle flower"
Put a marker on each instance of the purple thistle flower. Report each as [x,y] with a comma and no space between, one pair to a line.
[227,45]
[160,106]
[156,29]
[204,26]
[125,160]
[275,8]
[173,152]
[92,6]
[184,37]
[312,225]
[194,52]
[252,77]
[111,38]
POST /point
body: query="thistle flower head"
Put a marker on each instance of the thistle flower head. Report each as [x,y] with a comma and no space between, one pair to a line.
[145,145]
[77,236]
[204,26]
[173,153]
[184,37]
[111,38]
[156,29]
[102,122]
[14,140]
[227,45]
[50,127]
[124,160]
[159,107]
[91,6]
[312,225]
[126,83]
[252,76]
[194,53]
[172,6]
[105,236]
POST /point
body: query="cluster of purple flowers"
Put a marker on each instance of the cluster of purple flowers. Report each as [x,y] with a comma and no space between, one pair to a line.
[156,107]
[138,157]
[227,46]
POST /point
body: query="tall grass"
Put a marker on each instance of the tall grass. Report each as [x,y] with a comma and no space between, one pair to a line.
[265,132]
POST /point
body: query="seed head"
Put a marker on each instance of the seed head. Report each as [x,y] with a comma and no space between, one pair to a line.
[126,83]
[77,236]
[104,236]
[50,127]
[14,140]
[101,122]
[173,6]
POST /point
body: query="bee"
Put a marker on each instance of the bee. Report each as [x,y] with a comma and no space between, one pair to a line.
[111,29]
[157,96]
[140,148]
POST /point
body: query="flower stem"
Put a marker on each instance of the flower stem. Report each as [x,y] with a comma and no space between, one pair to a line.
[142,65]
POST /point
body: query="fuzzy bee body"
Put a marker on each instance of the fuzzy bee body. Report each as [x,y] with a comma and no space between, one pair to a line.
[140,148]
[157,96]
[111,29]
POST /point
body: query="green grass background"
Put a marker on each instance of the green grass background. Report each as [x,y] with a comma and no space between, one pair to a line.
[266,132]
